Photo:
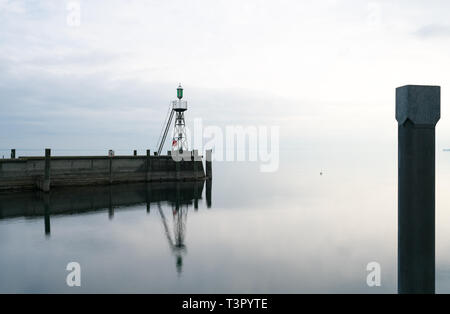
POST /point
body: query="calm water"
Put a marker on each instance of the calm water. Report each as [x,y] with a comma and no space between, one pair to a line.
[291,231]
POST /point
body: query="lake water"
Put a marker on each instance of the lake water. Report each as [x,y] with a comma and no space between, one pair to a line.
[291,231]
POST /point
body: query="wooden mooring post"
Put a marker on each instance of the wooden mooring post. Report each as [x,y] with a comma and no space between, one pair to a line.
[208,164]
[47,165]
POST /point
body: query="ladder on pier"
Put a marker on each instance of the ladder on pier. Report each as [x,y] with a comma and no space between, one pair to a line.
[165,129]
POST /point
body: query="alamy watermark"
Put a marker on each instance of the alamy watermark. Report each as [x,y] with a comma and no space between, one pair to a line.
[73,279]
[373,279]
[235,143]
[73,13]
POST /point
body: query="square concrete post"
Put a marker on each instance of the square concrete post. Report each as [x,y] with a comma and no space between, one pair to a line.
[13,154]
[417,112]
[46,181]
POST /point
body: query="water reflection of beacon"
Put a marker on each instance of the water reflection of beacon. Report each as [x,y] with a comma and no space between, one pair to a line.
[179,142]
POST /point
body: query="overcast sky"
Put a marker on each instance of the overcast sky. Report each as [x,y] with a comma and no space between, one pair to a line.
[319,69]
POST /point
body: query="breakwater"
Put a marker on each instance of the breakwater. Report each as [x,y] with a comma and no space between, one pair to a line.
[46,172]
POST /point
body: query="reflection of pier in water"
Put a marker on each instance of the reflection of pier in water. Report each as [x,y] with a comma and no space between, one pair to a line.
[80,200]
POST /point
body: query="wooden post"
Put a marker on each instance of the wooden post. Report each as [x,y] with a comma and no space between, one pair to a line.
[110,169]
[194,161]
[208,164]
[148,167]
[135,153]
[13,154]
[417,112]
[46,181]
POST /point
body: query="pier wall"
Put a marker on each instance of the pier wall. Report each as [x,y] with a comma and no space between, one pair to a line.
[28,173]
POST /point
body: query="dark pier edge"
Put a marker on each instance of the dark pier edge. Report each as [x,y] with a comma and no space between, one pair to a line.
[45,173]
[417,112]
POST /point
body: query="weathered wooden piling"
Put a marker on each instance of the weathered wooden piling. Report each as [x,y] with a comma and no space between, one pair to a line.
[194,158]
[148,166]
[417,112]
[47,165]
[111,157]
[13,154]
[208,164]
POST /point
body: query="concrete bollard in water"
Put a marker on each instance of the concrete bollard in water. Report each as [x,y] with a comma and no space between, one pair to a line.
[13,154]
[417,112]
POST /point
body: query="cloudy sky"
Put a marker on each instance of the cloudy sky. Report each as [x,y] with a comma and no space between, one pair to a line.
[323,71]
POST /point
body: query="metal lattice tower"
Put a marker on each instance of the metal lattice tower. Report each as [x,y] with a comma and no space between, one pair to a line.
[179,141]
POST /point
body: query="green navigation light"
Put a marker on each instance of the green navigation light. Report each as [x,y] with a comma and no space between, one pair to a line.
[180,91]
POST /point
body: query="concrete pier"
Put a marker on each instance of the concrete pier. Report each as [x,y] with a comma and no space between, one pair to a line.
[44,173]
[417,112]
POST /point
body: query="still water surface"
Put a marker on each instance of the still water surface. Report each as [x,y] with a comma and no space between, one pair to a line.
[292,231]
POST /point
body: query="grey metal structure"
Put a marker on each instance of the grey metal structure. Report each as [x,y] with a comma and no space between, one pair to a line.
[179,140]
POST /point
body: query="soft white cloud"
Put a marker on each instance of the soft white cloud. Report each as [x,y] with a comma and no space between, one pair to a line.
[324,63]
